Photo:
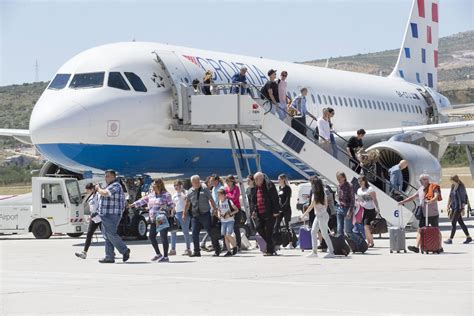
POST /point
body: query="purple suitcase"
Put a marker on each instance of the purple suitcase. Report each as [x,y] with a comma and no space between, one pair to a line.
[305,238]
[261,243]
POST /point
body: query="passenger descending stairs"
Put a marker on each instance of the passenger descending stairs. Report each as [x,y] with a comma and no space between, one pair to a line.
[299,152]
[309,159]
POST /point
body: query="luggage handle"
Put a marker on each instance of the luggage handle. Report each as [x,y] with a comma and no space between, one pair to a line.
[400,217]
[426,214]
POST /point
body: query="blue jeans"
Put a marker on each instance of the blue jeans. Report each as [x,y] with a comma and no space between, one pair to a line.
[185,228]
[344,225]
[200,222]
[112,239]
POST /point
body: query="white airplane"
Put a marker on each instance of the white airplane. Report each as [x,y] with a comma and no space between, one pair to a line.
[112,106]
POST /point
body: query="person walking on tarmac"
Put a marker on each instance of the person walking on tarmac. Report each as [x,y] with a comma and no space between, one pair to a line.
[111,207]
[158,200]
[198,198]
[93,202]
[265,210]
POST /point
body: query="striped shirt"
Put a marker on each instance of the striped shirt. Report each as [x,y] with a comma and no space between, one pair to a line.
[114,202]
[156,202]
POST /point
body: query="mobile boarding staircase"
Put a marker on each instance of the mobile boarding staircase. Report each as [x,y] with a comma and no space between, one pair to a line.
[247,114]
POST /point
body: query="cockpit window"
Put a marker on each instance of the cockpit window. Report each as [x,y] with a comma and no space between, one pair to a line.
[117,81]
[87,80]
[59,81]
[135,81]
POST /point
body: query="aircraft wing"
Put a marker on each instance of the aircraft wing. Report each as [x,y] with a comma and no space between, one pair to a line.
[21,135]
[432,132]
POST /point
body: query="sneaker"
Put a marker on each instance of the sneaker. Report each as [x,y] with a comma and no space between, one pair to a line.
[82,255]
[312,255]
[105,260]
[414,249]
[228,254]
[448,241]
[329,256]
[195,254]
[157,257]
[126,255]
[172,253]
[204,248]
[468,240]
[187,252]
[164,260]
[235,250]
[320,247]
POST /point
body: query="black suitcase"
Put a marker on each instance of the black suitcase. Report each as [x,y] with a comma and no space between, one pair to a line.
[340,246]
[356,242]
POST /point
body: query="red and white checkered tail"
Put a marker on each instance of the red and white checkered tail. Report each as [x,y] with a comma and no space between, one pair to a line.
[418,58]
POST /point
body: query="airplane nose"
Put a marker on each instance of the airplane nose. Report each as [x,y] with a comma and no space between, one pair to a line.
[55,121]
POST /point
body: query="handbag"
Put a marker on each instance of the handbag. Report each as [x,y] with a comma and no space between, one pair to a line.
[357,218]
[161,221]
[378,226]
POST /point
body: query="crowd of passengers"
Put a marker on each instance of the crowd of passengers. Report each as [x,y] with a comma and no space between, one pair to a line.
[216,203]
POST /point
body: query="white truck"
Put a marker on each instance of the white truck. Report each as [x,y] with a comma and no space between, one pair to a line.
[54,206]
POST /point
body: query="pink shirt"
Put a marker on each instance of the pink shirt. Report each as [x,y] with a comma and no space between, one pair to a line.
[282,91]
[234,195]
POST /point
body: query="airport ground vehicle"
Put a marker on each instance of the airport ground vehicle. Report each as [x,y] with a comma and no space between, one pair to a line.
[56,206]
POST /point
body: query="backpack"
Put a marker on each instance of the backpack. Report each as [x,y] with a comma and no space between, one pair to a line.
[264,92]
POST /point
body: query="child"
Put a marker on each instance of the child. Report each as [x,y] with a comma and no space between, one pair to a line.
[226,211]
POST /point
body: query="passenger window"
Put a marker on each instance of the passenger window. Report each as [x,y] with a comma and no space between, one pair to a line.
[312,97]
[116,81]
[393,107]
[335,100]
[365,104]
[350,102]
[360,103]
[51,193]
[87,80]
[136,82]
[404,108]
[340,101]
[59,82]
[370,104]
[345,102]
[378,105]
[325,101]
[319,99]
[330,101]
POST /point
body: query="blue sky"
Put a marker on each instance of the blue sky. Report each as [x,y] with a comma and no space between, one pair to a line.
[296,30]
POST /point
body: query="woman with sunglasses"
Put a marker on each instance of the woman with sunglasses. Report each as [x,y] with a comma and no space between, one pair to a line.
[158,200]
[179,200]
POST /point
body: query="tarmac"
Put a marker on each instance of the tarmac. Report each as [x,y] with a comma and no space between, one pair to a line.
[44,277]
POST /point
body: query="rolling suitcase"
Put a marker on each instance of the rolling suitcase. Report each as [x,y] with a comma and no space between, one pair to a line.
[430,237]
[397,235]
[356,242]
[340,246]
[305,238]
[261,243]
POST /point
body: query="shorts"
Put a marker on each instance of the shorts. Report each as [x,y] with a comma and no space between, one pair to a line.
[432,221]
[369,216]
[227,228]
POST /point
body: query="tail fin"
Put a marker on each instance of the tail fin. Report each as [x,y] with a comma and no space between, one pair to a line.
[418,58]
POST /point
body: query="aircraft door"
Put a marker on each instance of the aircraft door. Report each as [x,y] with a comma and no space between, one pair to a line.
[177,76]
